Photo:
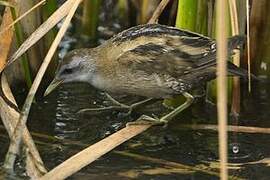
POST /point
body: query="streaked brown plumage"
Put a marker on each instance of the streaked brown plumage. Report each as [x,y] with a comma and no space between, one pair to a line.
[151,60]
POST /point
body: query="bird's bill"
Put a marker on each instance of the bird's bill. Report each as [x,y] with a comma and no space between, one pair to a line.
[54,84]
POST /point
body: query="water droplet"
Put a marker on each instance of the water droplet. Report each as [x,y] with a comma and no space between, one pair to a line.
[235,149]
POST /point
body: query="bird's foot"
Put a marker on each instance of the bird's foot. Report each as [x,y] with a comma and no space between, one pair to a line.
[164,119]
[147,120]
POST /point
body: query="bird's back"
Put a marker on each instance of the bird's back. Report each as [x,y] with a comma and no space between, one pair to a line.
[160,61]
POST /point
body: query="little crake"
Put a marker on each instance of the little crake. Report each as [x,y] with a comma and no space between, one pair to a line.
[152,60]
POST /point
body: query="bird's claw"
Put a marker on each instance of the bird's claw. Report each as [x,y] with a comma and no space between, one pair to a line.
[147,120]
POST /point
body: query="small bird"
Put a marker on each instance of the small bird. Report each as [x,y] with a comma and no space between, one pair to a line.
[152,60]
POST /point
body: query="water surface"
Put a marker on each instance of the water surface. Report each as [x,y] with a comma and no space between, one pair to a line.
[56,116]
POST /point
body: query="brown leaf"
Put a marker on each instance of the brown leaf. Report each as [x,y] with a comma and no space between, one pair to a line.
[59,14]
[5,43]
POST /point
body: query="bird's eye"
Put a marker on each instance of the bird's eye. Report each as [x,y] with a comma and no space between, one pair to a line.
[67,71]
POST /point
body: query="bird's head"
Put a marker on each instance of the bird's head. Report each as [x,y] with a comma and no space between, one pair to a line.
[77,66]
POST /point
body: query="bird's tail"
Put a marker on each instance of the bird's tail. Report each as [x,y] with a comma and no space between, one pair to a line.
[236,42]
[237,71]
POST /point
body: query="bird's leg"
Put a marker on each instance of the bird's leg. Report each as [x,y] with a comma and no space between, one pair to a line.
[132,106]
[119,106]
[165,119]
[115,102]
[179,109]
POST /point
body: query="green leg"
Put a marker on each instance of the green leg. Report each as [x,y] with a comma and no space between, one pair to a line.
[179,109]
[165,119]
[119,106]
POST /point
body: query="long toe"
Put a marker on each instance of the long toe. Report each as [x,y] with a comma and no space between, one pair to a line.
[147,120]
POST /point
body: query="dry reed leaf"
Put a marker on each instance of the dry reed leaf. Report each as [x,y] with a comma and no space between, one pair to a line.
[93,152]
[136,173]
[158,11]
[8,108]
[238,129]
[18,131]
[8,4]
[166,163]
[22,16]
[58,15]
[5,42]
[239,166]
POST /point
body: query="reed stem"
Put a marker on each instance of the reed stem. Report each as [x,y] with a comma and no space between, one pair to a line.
[90,17]
[19,41]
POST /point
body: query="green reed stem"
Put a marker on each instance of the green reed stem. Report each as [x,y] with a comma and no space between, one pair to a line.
[187,14]
[122,9]
[90,17]
[202,17]
[19,41]
[48,9]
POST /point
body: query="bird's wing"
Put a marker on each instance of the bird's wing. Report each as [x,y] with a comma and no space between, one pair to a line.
[163,49]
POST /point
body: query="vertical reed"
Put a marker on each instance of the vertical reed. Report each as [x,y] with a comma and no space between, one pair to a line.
[202,17]
[49,8]
[123,11]
[19,40]
[222,85]
[47,11]
[235,109]
[90,17]
[248,47]
[187,14]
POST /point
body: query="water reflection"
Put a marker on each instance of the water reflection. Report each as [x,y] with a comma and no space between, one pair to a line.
[57,115]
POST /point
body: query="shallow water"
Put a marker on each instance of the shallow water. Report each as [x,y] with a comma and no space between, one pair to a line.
[56,115]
